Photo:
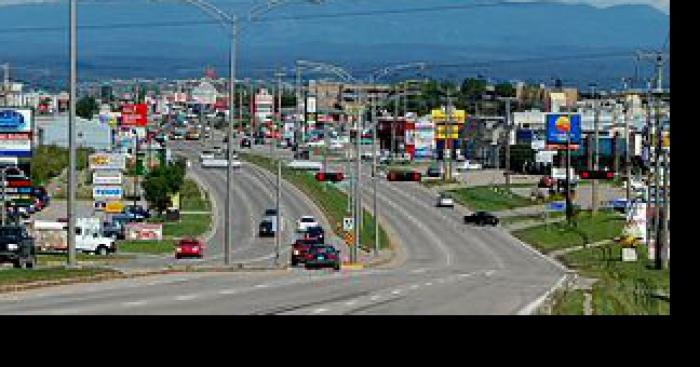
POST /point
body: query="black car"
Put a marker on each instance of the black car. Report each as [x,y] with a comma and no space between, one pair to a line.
[136,212]
[322,256]
[17,247]
[114,229]
[481,219]
[266,229]
[245,142]
[315,233]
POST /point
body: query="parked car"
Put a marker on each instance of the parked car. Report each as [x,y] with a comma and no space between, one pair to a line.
[445,200]
[190,247]
[481,219]
[136,212]
[322,256]
[435,171]
[306,222]
[468,165]
[245,142]
[17,247]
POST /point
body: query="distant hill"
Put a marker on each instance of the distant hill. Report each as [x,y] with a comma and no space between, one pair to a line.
[470,37]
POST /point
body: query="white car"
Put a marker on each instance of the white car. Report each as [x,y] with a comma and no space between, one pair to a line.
[205,155]
[306,222]
[445,201]
[468,165]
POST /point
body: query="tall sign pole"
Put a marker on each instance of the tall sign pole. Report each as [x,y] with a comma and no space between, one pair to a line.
[594,184]
[72,134]
[229,159]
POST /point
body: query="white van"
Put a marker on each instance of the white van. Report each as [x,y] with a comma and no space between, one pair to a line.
[53,236]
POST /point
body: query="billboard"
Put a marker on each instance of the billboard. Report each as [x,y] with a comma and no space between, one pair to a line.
[15,132]
[144,232]
[15,120]
[457,115]
[135,115]
[107,192]
[107,161]
[424,139]
[311,105]
[107,177]
[562,125]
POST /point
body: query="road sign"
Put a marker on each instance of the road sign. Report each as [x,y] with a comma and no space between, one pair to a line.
[348,224]
[114,207]
[556,206]
[107,192]
[349,238]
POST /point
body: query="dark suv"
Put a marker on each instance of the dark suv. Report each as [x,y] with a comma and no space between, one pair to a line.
[17,247]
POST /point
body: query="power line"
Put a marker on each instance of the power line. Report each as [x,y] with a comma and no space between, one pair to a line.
[198,22]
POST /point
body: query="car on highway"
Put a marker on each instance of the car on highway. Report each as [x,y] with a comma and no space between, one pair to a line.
[217,150]
[266,228]
[322,256]
[435,171]
[399,175]
[481,219]
[306,222]
[206,154]
[299,249]
[315,233]
[445,200]
[193,135]
[245,142]
[190,247]
[17,247]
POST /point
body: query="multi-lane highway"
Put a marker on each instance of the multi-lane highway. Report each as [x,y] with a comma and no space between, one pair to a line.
[444,266]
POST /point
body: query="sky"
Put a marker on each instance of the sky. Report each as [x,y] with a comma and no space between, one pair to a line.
[663,5]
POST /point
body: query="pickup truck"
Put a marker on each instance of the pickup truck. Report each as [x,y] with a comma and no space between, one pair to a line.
[17,247]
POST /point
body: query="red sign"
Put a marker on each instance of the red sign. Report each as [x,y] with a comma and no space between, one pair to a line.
[135,114]
[19,183]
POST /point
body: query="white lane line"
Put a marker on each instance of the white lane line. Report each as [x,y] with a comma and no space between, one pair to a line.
[396,291]
[415,286]
[262,286]
[134,303]
[465,275]
[418,271]
[429,283]
[350,303]
[228,291]
[187,297]
[319,310]
[489,273]
[374,298]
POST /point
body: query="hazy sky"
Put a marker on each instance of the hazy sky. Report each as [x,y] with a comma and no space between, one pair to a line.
[659,4]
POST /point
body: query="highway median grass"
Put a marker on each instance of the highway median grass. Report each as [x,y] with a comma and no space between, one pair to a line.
[57,259]
[623,288]
[332,201]
[587,229]
[488,198]
[23,276]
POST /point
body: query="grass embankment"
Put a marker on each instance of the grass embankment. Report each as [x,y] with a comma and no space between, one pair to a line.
[58,259]
[623,288]
[332,201]
[488,198]
[21,276]
[189,225]
[585,230]
[532,217]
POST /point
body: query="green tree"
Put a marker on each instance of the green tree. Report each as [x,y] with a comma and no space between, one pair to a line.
[505,90]
[472,88]
[163,181]
[86,107]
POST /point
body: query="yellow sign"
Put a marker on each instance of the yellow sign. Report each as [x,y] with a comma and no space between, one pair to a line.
[445,131]
[458,116]
[349,238]
[114,207]
[667,140]
[175,200]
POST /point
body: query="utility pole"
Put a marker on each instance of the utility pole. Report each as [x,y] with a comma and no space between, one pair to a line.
[649,143]
[449,141]
[240,110]
[658,245]
[4,195]
[300,112]
[594,183]
[508,128]
[666,210]
[229,159]
[375,178]
[393,125]
[72,133]
[278,230]
[358,186]
[628,165]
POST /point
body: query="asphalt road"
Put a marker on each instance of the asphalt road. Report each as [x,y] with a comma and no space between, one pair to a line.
[445,267]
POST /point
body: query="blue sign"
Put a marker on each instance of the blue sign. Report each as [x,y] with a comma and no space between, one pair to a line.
[12,121]
[561,125]
[557,206]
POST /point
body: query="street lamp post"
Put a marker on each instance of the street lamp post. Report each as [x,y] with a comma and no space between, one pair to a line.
[71,134]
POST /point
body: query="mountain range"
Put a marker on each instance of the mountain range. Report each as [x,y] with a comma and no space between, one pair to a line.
[534,41]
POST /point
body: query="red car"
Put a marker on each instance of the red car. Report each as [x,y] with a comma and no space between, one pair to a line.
[190,248]
[300,248]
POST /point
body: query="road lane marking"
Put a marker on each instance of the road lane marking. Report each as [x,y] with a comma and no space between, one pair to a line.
[134,303]
[429,283]
[262,285]
[374,298]
[489,273]
[350,303]
[187,297]
[319,310]
[418,271]
[415,286]
[228,291]
[396,291]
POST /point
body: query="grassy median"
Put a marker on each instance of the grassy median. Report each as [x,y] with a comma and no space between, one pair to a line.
[21,276]
[332,201]
[488,198]
[623,288]
[586,229]
[166,246]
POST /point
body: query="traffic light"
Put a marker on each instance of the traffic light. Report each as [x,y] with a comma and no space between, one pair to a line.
[597,175]
[330,176]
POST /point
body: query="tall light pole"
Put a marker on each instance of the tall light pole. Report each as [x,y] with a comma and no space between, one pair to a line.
[72,134]
[594,183]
